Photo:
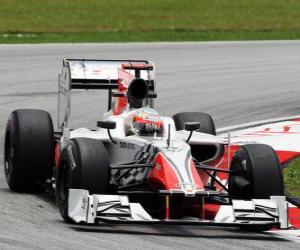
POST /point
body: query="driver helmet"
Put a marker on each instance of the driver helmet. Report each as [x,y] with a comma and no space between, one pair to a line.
[146,121]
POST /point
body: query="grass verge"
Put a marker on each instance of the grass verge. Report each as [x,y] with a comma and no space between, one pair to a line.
[157,36]
[292,178]
[31,21]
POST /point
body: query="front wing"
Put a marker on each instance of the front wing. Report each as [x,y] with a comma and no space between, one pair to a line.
[83,207]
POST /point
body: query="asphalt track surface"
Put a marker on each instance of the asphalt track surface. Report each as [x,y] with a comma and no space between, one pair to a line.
[234,82]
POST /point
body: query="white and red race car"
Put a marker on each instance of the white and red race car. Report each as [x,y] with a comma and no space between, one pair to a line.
[140,167]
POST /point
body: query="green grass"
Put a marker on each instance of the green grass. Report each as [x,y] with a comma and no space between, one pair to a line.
[292,178]
[157,36]
[147,20]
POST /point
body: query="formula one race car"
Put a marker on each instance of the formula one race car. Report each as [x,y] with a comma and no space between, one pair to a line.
[138,166]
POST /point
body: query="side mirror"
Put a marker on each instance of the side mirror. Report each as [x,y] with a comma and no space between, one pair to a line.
[191,126]
[106,124]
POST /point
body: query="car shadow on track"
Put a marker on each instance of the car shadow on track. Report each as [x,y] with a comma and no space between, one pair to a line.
[48,198]
[40,194]
[177,231]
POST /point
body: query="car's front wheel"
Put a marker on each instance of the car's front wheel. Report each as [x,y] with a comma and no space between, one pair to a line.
[83,165]
[256,173]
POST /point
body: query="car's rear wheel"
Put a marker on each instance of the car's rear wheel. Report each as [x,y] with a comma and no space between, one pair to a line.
[207,124]
[83,165]
[28,149]
[256,174]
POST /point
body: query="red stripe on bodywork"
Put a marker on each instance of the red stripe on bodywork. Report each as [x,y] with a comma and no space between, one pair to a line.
[57,154]
[211,210]
[124,79]
[162,175]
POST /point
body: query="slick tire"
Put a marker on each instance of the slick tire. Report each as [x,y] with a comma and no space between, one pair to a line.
[28,149]
[207,124]
[256,173]
[83,164]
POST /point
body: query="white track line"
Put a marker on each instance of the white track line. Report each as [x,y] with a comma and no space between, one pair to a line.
[254,124]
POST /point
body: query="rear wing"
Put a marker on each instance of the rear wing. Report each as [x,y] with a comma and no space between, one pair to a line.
[97,74]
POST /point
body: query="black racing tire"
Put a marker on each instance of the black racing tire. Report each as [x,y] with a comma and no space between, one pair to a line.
[83,164]
[28,149]
[207,124]
[256,173]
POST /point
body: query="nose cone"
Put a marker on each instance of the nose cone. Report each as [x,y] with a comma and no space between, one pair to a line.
[175,170]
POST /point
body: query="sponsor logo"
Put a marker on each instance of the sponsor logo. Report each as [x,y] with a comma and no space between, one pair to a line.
[84,203]
[127,145]
[96,71]
[189,189]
